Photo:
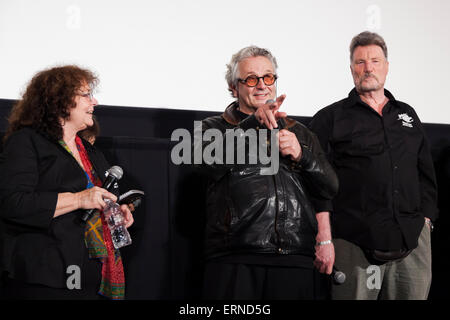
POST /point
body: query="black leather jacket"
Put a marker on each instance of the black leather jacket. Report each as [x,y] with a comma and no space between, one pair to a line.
[252,213]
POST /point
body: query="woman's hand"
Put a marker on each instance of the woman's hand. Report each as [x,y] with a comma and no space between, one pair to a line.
[93,198]
[128,217]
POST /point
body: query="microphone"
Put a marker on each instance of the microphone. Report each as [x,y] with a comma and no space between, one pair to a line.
[337,276]
[114,173]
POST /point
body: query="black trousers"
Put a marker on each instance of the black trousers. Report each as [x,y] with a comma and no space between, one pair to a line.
[234,281]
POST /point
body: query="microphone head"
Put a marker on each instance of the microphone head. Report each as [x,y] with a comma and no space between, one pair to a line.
[116,172]
[339,277]
[270,101]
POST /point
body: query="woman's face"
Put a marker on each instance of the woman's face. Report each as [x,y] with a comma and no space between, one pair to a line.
[81,116]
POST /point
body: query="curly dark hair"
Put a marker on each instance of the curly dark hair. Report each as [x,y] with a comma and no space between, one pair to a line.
[48,98]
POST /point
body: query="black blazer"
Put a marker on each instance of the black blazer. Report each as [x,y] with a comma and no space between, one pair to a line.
[34,246]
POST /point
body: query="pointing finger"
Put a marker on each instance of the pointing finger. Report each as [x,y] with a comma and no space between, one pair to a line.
[280,99]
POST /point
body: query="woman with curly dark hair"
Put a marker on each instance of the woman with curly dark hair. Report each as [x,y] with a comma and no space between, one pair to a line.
[49,177]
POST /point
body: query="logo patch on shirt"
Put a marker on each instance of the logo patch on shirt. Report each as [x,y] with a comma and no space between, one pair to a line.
[406,120]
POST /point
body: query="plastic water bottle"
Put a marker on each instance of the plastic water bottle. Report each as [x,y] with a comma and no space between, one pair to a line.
[116,222]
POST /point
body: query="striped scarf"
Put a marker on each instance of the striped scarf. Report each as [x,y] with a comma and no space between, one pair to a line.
[97,237]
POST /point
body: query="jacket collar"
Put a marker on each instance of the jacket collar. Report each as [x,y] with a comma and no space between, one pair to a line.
[92,154]
[231,114]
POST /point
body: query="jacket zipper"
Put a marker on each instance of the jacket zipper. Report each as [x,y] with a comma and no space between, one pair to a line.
[276,214]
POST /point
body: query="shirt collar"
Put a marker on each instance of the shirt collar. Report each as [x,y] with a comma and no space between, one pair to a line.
[354,97]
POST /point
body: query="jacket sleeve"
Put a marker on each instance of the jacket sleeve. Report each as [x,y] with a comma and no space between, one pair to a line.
[427,176]
[317,173]
[321,125]
[20,201]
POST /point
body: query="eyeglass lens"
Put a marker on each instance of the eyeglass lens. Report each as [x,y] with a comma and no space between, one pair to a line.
[268,80]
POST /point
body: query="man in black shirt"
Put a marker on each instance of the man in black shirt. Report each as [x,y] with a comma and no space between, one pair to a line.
[381,219]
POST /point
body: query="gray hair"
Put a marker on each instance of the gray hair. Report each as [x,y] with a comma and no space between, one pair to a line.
[247,52]
[367,38]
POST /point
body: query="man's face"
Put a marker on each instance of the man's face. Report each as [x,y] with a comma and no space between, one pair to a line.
[369,68]
[251,98]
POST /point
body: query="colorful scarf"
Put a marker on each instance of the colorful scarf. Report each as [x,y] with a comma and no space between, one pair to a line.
[97,237]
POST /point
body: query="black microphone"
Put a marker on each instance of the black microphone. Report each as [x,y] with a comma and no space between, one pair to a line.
[114,173]
[338,276]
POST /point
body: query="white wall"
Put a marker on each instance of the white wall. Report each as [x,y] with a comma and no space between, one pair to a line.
[172,53]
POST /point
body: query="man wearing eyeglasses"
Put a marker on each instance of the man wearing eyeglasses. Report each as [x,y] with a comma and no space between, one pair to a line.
[264,233]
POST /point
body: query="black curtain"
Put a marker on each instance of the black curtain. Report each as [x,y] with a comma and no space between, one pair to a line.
[165,258]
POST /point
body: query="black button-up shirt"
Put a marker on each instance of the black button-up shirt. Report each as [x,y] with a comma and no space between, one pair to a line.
[387,182]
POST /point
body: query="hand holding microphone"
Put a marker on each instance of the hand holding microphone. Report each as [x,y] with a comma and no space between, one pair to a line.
[268,113]
[337,276]
[287,141]
[93,198]
[324,265]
